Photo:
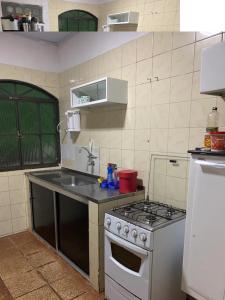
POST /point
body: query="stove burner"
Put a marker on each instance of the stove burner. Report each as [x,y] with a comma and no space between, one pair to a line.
[151,213]
[127,211]
[170,211]
[150,218]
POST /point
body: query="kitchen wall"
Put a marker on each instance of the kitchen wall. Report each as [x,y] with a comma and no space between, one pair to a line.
[165,115]
[154,15]
[13,197]
[38,63]
[56,7]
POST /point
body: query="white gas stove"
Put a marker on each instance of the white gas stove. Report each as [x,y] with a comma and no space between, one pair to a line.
[143,252]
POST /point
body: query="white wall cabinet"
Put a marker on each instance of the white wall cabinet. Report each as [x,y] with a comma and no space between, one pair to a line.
[212,80]
[128,17]
[105,91]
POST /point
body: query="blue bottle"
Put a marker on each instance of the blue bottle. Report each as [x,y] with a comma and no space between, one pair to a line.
[109,174]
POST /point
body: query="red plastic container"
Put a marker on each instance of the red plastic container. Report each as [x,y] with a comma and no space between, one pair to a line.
[128,181]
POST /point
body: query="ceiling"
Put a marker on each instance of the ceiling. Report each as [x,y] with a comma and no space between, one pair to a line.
[52,37]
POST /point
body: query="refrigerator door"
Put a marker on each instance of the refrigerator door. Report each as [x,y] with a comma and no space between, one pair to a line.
[204,254]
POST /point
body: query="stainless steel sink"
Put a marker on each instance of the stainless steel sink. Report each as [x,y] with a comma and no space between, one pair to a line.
[73,181]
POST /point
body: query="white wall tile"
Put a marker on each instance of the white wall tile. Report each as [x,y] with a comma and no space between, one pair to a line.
[178,140]
[183,60]
[4,183]
[4,198]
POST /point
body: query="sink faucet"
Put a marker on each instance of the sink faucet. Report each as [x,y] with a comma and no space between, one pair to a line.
[91,156]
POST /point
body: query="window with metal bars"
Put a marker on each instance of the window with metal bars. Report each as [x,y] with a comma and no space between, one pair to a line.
[28,127]
[77,20]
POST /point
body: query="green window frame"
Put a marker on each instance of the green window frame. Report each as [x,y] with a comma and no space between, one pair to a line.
[77,20]
[28,127]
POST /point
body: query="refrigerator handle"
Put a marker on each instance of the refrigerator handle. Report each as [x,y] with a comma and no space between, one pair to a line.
[210,164]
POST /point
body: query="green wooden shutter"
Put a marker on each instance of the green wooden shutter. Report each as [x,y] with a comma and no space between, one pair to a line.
[28,126]
[49,132]
[77,20]
[30,132]
[9,142]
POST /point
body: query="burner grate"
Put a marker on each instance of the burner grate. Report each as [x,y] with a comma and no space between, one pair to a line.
[150,213]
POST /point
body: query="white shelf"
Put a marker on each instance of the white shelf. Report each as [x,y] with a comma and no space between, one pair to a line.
[104,91]
[123,18]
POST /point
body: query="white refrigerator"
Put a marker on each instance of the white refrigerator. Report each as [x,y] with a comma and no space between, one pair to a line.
[204,249]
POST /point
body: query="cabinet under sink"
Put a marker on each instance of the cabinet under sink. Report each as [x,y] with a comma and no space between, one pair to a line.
[73,231]
[43,213]
[63,223]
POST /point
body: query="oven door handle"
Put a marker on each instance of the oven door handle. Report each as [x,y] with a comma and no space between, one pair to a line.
[127,245]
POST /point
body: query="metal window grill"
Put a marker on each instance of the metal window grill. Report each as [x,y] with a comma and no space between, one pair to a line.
[77,20]
[28,127]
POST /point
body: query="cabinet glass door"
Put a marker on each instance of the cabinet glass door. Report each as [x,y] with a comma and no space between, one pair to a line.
[73,231]
[89,93]
[43,213]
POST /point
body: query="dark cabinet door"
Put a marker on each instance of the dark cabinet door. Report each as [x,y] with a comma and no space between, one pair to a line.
[73,231]
[43,213]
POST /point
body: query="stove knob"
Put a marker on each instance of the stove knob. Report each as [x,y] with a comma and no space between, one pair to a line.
[134,233]
[143,237]
[126,229]
[118,226]
[108,222]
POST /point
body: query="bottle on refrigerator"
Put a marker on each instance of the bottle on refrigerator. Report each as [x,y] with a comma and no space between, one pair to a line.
[212,126]
[212,120]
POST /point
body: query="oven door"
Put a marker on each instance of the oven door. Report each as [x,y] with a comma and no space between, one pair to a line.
[128,265]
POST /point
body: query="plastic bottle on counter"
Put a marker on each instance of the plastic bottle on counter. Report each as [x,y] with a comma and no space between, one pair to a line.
[109,174]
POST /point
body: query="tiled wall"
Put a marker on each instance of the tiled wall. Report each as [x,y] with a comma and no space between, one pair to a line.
[165,113]
[56,7]
[164,117]
[13,196]
[154,15]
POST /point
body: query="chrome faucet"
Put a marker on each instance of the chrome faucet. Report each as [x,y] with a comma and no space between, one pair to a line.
[91,156]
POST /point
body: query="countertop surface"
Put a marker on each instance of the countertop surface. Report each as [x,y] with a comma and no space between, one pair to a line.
[212,153]
[79,184]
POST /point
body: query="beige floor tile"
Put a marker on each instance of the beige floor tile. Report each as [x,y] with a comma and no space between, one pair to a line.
[44,293]
[5,243]
[4,293]
[22,238]
[32,247]
[91,296]
[24,283]
[41,258]
[55,271]
[7,253]
[12,266]
[71,287]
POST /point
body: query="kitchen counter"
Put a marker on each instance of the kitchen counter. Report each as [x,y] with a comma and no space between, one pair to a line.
[212,153]
[77,184]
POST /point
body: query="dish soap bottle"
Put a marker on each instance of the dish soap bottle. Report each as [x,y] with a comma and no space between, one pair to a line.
[109,174]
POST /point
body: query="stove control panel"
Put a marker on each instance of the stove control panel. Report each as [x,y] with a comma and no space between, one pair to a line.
[130,232]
